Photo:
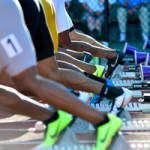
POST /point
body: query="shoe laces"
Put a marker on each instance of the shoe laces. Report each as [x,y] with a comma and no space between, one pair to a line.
[114,109]
[112,106]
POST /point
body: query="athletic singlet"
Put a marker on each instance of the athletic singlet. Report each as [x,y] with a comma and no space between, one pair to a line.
[63,21]
[51,21]
[16,48]
[36,23]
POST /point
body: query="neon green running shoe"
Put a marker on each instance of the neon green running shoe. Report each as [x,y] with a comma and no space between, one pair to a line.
[99,70]
[54,128]
[106,132]
[96,60]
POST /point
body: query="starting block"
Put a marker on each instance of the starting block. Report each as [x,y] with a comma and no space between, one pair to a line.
[131,68]
[67,138]
[135,106]
[136,125]
[80,126]
[140,85]
[124,115]
[133,125]
[128,60]
[119,143]
[137,94]
[125,83]
[74,147]
[147,97]
[68,141]
[138,107]
[120,75]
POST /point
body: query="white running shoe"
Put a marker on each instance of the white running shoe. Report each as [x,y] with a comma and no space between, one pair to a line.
[121,101]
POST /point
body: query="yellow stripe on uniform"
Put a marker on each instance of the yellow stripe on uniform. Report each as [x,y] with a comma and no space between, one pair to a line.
[50,18]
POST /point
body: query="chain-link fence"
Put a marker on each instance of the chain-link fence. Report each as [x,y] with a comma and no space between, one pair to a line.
[116,21]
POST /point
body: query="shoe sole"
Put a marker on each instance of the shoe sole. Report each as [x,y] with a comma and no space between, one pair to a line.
[127,101]
[111,139]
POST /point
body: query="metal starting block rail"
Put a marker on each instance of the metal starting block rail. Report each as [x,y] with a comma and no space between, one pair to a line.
[136,125]
[135,106]
[73,147]
[125,83]
[133,125]
[132,68]
[128,74]
[119,75]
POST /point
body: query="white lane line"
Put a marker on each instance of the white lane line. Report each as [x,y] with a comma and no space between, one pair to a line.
[136,133]
[21,143]
[39,142]
[21,121]
[21,130]
[139,141]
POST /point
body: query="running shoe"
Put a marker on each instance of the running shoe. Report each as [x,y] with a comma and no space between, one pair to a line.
[121,101]
[95,99]
[54,128]
[86,58]
[96,60]
[113,63]
[106,132]
[99,70]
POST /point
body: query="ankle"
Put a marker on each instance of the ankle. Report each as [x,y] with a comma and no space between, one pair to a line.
[105,120]
[110,92]
[112,54]
[54,117]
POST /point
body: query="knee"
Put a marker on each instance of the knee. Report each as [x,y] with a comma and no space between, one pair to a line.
[49,70]
[23,85]
[25,81]
[9,96]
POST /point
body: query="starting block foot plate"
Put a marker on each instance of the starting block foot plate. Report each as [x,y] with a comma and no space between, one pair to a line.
[124,115]
[67,137]
[119,142]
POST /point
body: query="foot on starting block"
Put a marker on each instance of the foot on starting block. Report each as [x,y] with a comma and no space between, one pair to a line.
[67,139]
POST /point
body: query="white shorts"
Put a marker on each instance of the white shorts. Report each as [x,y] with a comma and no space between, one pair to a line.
[63,21]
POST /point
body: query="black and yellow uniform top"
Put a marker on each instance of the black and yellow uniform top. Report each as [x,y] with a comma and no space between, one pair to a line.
[51,21]
[35,20]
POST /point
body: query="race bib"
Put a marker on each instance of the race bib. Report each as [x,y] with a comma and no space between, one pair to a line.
[11,45]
